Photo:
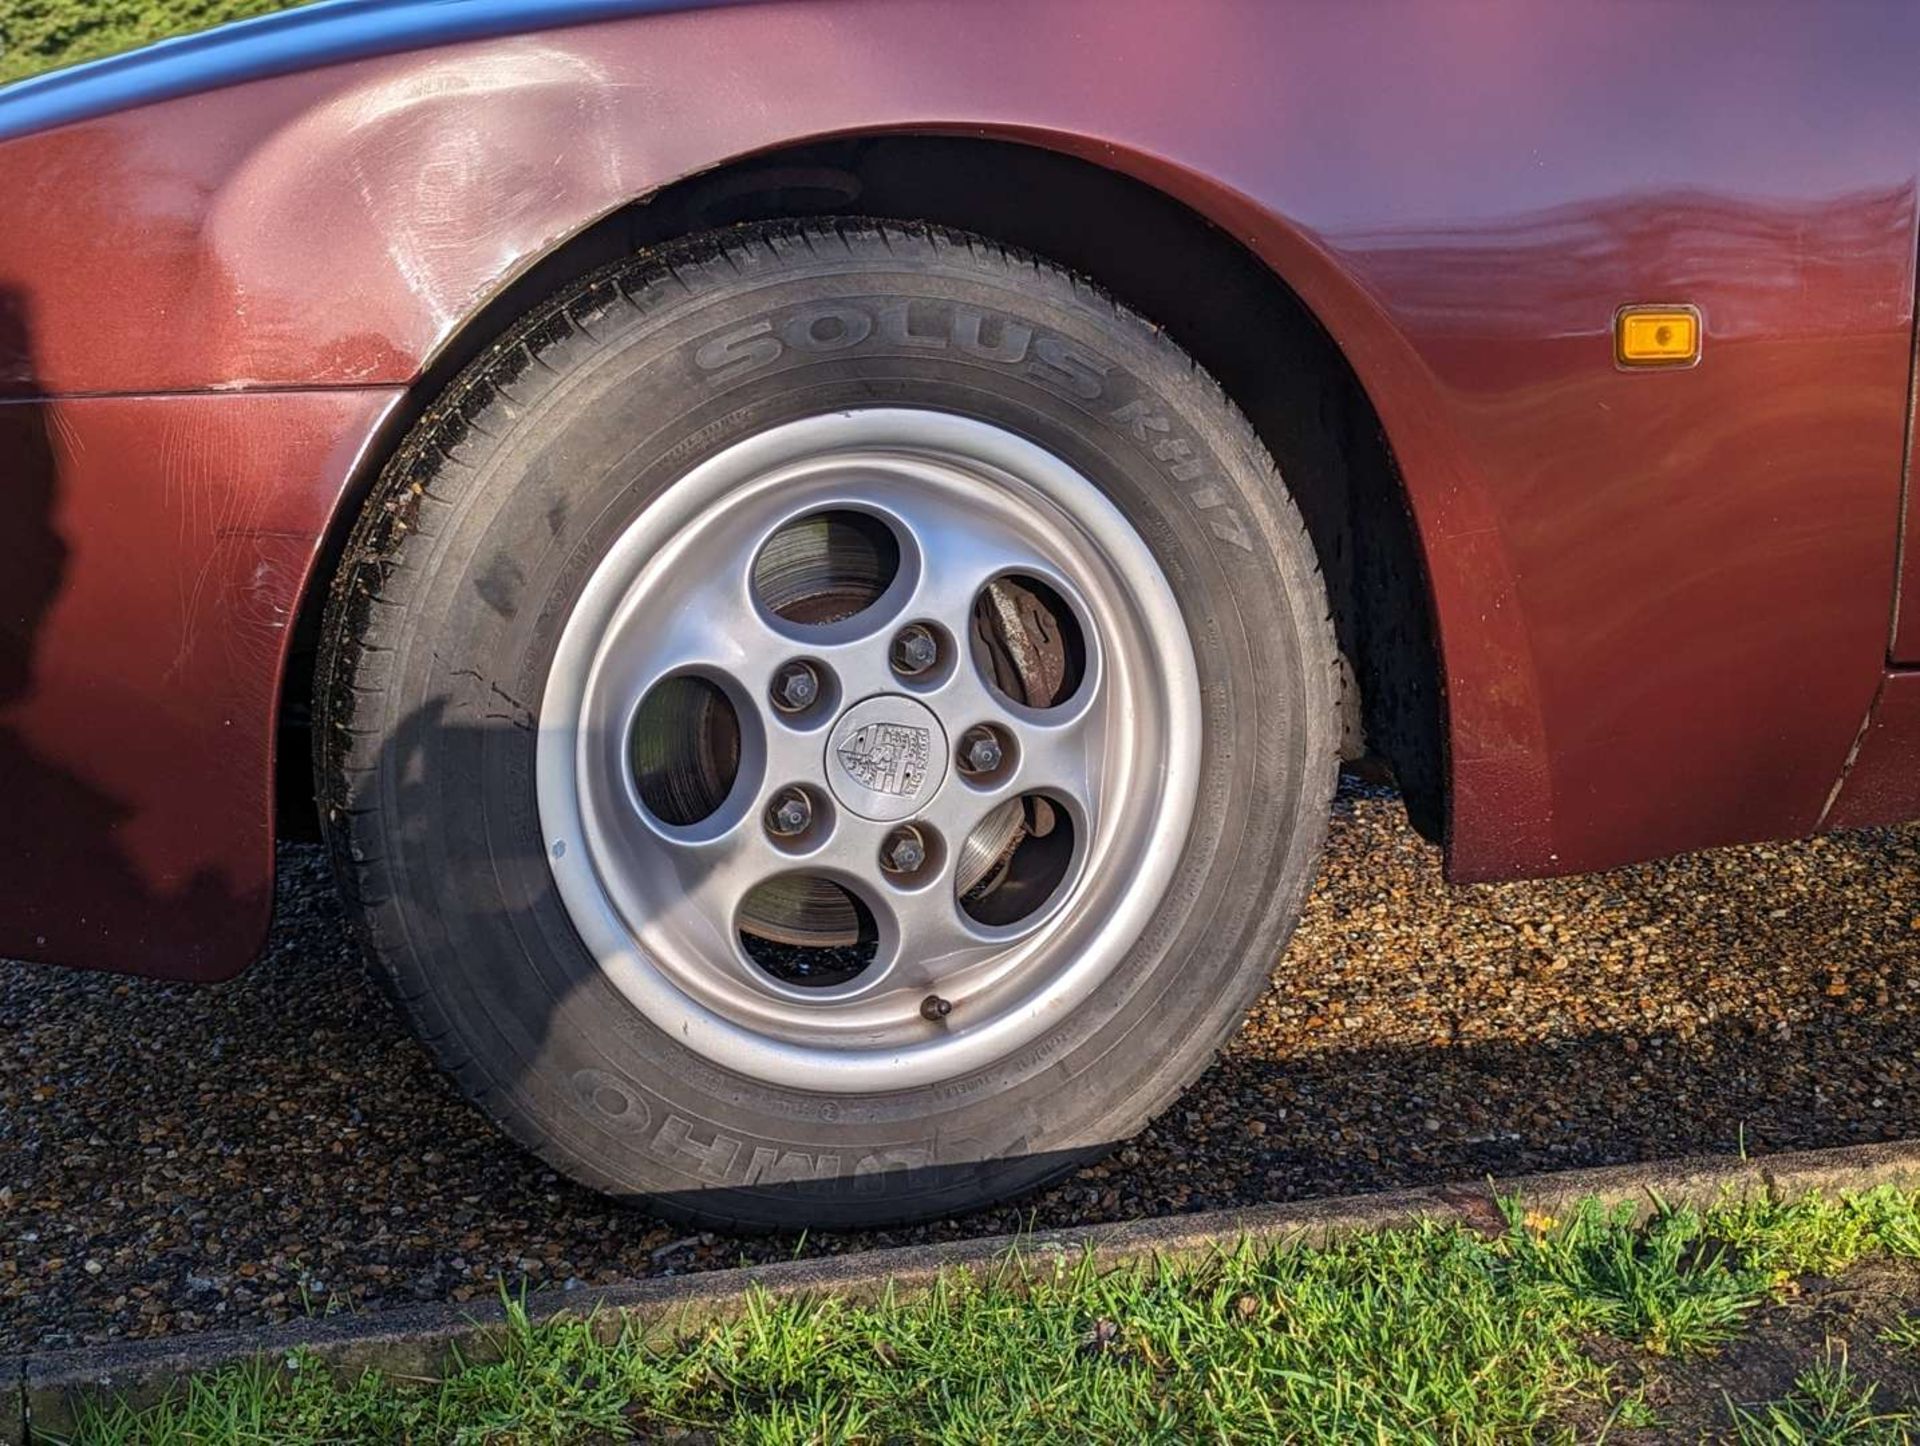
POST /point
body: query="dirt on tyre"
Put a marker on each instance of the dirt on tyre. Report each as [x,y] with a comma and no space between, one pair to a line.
[827,724]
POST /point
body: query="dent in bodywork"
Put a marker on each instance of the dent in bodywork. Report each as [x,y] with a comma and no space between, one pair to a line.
[431,179]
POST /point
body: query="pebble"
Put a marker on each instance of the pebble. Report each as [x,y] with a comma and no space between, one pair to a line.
[177,1158]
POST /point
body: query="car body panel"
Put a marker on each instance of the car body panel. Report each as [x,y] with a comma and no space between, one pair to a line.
[1662,598]
[1905,647]
[140,663]
[1882,784]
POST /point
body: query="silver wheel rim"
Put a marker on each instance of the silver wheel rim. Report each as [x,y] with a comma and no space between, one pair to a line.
[658,902]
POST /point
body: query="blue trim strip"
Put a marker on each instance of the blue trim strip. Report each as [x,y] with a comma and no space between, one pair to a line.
[326,33]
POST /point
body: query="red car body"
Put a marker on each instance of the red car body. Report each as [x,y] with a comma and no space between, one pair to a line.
[1670,607]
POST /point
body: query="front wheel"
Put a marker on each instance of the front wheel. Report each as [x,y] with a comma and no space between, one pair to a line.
[828,725]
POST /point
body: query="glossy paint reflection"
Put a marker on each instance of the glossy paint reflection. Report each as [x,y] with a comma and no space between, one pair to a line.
[1662,599]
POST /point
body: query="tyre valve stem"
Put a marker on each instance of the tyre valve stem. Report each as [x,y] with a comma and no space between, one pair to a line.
[934,1009]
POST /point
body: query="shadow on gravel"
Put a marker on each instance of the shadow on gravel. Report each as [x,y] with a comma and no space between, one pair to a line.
[176,1158]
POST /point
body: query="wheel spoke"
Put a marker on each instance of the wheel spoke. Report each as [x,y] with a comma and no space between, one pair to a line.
[713,628]
[1065,760]
[961,552]
[935,943]
[694,881]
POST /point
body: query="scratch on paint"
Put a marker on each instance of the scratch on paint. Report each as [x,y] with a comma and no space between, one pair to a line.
[72,444]
[213,481]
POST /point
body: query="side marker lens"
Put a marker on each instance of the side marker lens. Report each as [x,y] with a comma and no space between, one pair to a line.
[1656,336]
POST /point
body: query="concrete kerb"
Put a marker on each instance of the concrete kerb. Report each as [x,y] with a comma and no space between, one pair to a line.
[426,1341]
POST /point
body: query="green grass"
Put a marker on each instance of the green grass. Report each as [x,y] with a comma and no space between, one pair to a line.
[1423,1334]
[1827,1404]
[1903,1334]
[37,35]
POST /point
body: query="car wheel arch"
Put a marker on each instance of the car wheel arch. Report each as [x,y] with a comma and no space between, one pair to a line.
[1238,312]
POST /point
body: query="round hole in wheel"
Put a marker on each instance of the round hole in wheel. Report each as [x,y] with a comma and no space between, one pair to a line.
[808,932]
[684,749]
[1027,641]
[1015,860]
[826,567]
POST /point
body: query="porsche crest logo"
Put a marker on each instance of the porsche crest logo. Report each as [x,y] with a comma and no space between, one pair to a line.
[887,757]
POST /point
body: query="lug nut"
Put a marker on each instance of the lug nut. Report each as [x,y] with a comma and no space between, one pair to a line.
[934,1008]
[905,851]
[789,814]
[795,687]
[980,751]
[915,649]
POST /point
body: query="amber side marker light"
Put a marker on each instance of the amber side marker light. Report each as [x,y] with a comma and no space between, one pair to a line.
[1656,336]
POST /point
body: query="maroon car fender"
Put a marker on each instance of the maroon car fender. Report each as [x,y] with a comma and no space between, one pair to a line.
[136,723]
[1662,599]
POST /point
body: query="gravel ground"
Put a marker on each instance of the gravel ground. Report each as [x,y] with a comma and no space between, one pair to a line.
[176,1159]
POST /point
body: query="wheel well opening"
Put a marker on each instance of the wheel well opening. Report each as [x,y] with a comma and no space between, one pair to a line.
[1219,302]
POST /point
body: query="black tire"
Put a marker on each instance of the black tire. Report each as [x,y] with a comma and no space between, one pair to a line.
[461,574]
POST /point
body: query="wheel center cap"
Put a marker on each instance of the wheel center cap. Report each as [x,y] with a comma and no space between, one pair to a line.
[886,757]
